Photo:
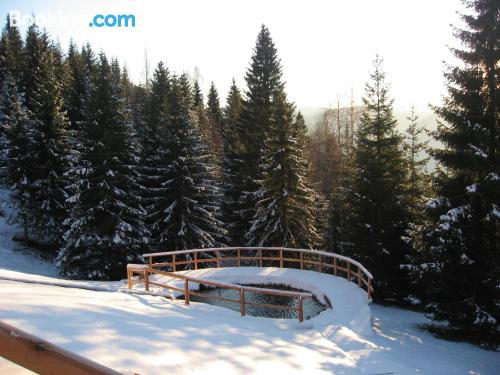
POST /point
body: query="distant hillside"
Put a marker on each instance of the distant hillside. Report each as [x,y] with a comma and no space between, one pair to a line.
[426,118]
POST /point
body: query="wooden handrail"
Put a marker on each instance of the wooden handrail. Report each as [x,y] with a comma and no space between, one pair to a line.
[225,249]
[326,261]
[43,357]
[242,290]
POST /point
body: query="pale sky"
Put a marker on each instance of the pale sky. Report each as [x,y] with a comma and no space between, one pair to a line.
[326,46]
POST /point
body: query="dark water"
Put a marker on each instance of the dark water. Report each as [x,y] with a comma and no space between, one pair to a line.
[312,307]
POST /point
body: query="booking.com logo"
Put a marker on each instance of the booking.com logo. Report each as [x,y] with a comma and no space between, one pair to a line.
[62,19]
[111,20]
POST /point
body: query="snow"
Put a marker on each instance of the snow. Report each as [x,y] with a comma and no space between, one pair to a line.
[139,332]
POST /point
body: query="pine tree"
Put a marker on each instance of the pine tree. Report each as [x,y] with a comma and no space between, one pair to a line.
[11,49]
[378,212]
[50,145]
[284,215]
[460,263]
[263,80]
[17,157]
[189,215]
[215,122]
[105,227]
[418,182]
[233,167]
[155,152]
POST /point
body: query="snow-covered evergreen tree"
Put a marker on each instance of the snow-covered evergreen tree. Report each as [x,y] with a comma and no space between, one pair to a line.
[215,122]
[50,143]
[263,79]
[460,263]
[105,227]
[11,51]
[378,212]
[17,159]
[233,167]
[189,215]
[284,215]
[155,153]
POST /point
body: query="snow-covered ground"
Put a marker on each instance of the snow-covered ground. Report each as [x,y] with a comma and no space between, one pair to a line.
[149,334]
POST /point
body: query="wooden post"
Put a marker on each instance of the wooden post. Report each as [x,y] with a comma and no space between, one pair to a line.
[174,267]
[335,266]
[359,277]
[260,257]
[146,279]
[369,288]
[301,309]
[218,259]
[186,291]
[196,261]
[348,271]
[301,261]
[320,263]
[281,258]
[129,279]
[242,301]
[239,257]
[150,261]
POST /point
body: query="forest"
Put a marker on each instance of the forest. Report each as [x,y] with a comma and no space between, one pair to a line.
[102,170]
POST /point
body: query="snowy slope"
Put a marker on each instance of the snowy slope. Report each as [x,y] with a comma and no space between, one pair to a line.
[13,256]
[148,334]
[153,335]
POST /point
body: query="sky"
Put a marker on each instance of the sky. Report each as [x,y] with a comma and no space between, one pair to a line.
[326,46]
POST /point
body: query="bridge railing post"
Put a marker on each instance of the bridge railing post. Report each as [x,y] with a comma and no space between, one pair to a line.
[186,291]
[242,302]
[301,309]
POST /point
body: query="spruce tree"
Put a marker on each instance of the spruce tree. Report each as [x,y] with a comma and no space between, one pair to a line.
[50,144]
[215,122]
[11,50]
[233,167]
[284,215]
[155,152]
[17,158]
[189,215]
[460,263]
[105,229]
[263,80]
[378,212]
[416,158]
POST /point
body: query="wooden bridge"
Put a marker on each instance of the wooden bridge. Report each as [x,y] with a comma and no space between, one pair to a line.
[167,264]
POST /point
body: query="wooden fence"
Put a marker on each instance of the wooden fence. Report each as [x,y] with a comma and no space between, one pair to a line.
[42,357]
[304,259]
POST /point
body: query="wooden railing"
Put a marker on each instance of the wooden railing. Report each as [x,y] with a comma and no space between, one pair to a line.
[305,259]
[242,301]
[42,357]
[315,260]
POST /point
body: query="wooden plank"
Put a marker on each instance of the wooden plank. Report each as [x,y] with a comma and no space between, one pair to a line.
[301,261]
[174,267]
[195,261]
[43,357]
[281,258]
[239,257]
